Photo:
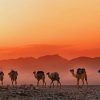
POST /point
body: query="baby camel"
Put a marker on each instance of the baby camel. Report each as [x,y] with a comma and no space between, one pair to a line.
[13,75]
[54,77]
[1,77]
[80,75]
[39,75]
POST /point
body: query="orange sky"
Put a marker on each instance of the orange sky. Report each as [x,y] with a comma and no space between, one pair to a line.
[73,24]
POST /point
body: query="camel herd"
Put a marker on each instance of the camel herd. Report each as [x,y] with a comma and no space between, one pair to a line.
[54,76]
[40,75]
[12,74]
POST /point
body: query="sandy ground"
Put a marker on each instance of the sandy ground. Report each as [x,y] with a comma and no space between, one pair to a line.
[30,92]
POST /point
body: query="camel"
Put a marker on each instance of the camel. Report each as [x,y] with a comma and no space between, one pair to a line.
[13,75]
[80,75]
[1,77]
[54,76]
[39,75]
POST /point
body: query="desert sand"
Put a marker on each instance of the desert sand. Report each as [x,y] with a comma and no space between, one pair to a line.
[30,92]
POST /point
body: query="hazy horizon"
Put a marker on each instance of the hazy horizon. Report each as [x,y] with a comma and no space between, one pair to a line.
[37,50]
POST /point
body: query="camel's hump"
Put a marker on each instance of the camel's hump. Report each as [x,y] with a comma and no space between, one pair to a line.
[80,71]
[40,72]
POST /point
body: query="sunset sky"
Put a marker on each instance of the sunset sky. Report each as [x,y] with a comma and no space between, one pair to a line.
[70,28]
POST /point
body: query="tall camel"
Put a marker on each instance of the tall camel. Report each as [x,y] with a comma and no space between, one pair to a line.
[1,77]
[13,75]
[39,75]
[80,75]
[54,76]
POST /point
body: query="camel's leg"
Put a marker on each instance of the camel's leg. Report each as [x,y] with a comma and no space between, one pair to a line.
[12,82]
[44,83]
[38,82]
[2,83]
[86,82]
[78,83]
[15,82]
[51,84]
[59,83]
[83,82]
[86,79]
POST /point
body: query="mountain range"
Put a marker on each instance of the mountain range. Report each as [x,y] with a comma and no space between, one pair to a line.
[49,62]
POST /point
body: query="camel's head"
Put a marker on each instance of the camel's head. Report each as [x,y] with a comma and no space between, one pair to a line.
[48,73]
[98,71]
[72,70]
[34,72]
[10,72]
[1,73]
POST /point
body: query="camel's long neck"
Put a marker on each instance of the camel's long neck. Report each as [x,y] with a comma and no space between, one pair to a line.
[35,75]
[1,76]
[74,74]
[49,76]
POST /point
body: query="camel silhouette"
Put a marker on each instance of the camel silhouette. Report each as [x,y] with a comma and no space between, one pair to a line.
[13,75]
[39,75]
[54,76]
[80,75]
[1,77]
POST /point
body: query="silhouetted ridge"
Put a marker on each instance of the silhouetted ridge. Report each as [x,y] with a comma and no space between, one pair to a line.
[52,57]
[85,62]
[50,62]
[82,58]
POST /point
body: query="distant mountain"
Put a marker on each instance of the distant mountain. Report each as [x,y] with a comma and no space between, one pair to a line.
[44,62]
[19,63]
[52,62]
[85,62]
[49,62]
